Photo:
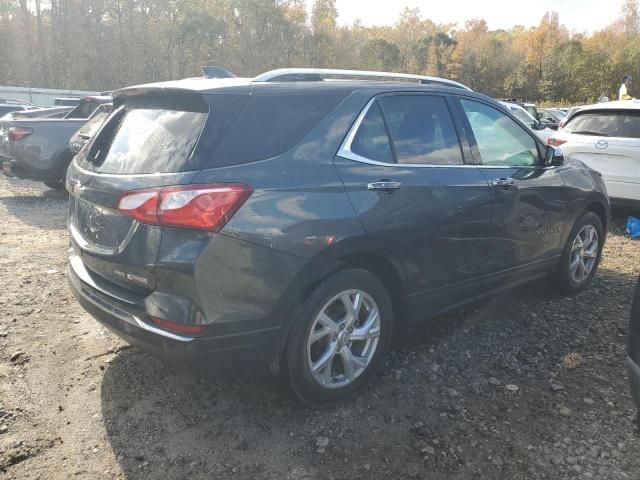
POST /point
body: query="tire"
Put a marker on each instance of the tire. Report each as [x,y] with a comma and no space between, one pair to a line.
[55,185]
[567,278]
[337,381]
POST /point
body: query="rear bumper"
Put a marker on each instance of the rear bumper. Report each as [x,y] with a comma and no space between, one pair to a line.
[634,380]
[245,352]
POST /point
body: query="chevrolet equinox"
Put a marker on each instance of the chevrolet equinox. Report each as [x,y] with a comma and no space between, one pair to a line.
[295,220]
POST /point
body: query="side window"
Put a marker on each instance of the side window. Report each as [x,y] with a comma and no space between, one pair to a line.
[422,130]
[371,141]
[500,140]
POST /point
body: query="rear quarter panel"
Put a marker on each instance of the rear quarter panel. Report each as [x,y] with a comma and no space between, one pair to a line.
[291,231]
[585,187]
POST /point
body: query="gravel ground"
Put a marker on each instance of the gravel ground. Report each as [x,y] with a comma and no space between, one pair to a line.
[525,385]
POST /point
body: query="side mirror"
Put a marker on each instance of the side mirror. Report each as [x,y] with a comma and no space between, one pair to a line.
[540,125]
[553,157]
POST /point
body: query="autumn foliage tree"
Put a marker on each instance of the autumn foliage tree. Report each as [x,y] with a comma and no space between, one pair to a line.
[106,44]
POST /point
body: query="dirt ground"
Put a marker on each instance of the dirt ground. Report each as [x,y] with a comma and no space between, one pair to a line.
[526,385]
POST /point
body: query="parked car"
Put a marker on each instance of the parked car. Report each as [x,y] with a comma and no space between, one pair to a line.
[51,112]
[293,224]
[633,359]
[569,114]
[38,148]
[532,110]
[551,118]
[537,127]
[606,137]
[9,107]
[80,139]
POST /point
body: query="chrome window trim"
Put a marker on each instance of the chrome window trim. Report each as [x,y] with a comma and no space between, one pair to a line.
[345,151]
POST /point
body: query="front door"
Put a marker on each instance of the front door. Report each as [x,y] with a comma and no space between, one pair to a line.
[404,171]
[529,201]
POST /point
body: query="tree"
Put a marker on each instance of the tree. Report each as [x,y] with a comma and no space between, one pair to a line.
[324,16]
[631,16]
[107,44]
[378,54]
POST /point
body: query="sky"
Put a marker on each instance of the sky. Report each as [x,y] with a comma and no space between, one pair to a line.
[577,15]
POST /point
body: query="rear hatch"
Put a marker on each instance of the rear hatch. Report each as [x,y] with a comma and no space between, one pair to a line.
[607,141]
[148,141]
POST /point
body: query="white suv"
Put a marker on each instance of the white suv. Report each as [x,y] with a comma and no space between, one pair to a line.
[606,136]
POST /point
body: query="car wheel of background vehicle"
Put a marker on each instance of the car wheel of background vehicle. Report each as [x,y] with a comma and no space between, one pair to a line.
[339,338]
[581,255]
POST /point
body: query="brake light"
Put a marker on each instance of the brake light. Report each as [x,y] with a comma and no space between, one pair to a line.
[179,327]
[18,133]
[199,207]
[555,142]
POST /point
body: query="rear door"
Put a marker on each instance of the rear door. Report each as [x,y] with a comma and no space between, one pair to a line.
[404,169]
[529,200]
[609,142]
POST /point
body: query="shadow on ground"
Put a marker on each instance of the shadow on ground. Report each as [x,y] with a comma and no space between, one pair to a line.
[433,395]
[29,208]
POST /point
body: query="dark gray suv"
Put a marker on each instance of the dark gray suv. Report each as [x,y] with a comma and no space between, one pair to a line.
[294,221]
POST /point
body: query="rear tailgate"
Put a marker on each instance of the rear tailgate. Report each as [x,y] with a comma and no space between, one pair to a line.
[618,159]
[607,140]
[147,142]
[113,245]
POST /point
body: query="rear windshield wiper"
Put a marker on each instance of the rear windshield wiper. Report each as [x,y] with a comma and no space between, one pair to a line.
[589,132]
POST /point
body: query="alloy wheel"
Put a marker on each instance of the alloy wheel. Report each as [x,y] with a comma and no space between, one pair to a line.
[343,339]
[584,253]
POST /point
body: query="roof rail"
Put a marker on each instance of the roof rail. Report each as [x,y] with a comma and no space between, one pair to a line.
[316,74]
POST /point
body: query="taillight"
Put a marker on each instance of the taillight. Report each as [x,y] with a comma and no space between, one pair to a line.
[179,327]
[18,133]
[200,207]
[555,142]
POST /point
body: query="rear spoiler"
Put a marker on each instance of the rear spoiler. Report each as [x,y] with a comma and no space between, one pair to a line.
[159,97]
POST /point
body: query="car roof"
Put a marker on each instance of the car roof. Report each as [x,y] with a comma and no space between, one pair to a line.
[614,105]
[248,85]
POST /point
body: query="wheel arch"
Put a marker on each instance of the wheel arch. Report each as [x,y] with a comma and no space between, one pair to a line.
[599,209]
[334,260]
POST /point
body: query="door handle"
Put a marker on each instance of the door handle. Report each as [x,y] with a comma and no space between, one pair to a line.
[503,182]
[384,185]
